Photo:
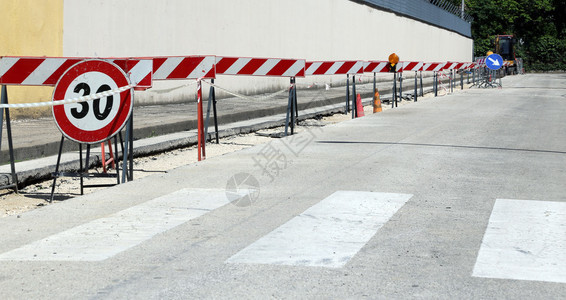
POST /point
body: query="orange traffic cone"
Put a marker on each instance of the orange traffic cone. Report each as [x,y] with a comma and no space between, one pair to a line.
[359,106]
[376,102]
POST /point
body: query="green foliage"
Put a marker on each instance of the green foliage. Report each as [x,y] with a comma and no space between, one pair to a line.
[540,24]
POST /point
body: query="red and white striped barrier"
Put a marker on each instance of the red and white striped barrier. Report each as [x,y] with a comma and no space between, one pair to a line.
[376,67]
[188,67]
[434,67]
[459,65]
[334,67]
[46,71]
[260,66]
[480,61]
[183,67]
[411,66]
[466,66]
[452,65]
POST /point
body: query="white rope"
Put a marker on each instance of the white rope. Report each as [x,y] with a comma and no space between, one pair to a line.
[335,83]
[273,95]
[174,88]
[340,83]
[68,101]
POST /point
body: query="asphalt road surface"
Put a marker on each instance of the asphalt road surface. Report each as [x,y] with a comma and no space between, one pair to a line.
[459,197]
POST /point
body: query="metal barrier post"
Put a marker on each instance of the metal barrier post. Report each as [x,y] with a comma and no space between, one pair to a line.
[208,107]
[454,73]
[200,126]
[451,74]
[422,89]
[215,114]
[449,81]
[296,104]
[347,94]
[354,98]
[116,164]
[461,80]
[125,154]
[82,168]
[416,94]
[131,153]
[474,76]
[374,89]
[293,104]
[394,100]
[4,100]
[435,79]
[289,111]
[400,86]
[291,108]
[211,100]
[57,169]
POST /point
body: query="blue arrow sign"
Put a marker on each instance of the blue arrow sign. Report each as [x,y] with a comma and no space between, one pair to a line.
[494,61]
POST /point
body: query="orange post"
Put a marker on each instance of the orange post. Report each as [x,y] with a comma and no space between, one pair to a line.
[376,102]
[103,157]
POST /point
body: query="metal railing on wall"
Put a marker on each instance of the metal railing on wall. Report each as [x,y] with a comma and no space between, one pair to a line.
[440,13]
[451,8]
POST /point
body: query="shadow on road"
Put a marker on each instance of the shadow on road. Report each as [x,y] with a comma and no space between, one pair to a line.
[445,146]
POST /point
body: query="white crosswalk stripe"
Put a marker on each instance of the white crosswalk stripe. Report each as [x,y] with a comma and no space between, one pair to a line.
[524,240]
[328,234]
[106,237]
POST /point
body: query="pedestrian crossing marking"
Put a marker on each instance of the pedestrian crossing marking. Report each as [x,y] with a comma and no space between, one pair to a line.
[103,238]
[524,240]
[327,234]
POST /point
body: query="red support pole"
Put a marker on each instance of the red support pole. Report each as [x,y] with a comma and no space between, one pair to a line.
[201,140]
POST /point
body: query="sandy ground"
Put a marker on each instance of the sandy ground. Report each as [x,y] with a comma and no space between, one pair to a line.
[36,195]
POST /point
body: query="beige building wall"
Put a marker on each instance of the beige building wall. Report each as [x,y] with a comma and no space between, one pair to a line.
[31,28]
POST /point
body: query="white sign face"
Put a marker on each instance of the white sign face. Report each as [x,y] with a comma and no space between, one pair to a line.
[96,114]
[95,120]
[494,61]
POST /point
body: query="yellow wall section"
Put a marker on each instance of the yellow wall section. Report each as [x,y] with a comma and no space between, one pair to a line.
[31,28]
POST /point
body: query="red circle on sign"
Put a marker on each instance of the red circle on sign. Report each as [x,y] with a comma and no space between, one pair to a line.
[83,122]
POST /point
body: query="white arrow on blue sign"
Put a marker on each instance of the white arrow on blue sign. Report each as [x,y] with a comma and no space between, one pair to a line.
[494,61]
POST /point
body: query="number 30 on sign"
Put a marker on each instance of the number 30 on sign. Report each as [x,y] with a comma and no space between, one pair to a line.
[92,121]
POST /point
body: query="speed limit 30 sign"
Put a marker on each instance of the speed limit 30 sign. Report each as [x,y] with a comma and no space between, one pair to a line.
[97,120]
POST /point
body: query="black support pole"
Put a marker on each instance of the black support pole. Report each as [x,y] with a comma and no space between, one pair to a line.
[4,100]
[289,108]
[347,94]
[214,113]
[421,80]
[56,173]
[394,100]
[354,98]
[435,79]
[416,86]
[400,88]
[295,99]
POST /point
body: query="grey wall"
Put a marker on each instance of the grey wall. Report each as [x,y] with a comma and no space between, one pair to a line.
[424,11]
[307,29]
